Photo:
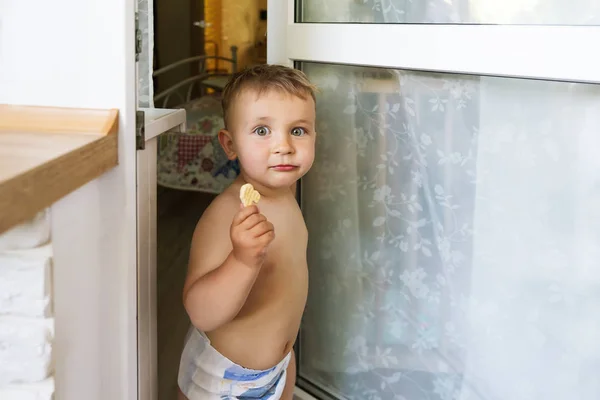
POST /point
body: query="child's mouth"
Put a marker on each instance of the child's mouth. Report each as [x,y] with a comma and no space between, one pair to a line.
[284,167]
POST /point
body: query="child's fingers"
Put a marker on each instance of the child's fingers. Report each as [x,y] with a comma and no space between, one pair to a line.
[244,213]
[262,228]
[252,221]
[267,237]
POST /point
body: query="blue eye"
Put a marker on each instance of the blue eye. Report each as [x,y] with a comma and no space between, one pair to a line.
[262,131]
[298,132]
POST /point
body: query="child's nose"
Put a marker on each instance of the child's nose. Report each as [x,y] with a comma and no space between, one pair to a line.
[283,145]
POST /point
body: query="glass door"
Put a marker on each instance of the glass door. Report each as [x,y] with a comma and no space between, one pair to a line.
[453,208]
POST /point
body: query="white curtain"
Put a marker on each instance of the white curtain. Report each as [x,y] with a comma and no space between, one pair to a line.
[454,220]
[454,249]
[531,12]
[145,63]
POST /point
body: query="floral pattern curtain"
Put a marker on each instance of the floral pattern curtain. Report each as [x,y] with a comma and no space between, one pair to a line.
[454,237]
[145,63]
[531,12]
[454,221]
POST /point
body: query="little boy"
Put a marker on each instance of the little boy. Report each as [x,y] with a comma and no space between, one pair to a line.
[247,280]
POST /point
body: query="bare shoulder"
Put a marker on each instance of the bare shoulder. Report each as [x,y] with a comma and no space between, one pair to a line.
[211,242]
[218,215]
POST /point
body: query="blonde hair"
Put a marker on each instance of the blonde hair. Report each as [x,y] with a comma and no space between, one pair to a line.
[263,78]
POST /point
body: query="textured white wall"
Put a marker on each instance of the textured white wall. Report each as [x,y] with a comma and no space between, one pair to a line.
[26,319]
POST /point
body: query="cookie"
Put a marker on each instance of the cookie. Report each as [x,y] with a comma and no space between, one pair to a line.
[248,195]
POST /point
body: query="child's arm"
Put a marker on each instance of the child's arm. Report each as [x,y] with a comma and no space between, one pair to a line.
[215,290]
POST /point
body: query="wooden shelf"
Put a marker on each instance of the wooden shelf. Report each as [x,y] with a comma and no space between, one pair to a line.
[46,153]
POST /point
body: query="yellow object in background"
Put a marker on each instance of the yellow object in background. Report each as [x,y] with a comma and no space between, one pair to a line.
[234,23]
[213,16]
[240,28]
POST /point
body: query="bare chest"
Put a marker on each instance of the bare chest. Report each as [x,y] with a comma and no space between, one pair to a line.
[283,278]
[291,237]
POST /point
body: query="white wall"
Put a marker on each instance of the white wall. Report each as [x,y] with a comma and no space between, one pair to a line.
[81,54]
[26,323]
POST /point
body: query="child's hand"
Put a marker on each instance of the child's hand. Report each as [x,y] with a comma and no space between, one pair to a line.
[251,234]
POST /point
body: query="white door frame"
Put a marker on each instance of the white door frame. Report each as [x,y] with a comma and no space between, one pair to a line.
[559,52]
[156,122]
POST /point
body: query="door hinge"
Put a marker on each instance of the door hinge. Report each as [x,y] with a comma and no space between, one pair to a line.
[140,130]
[138,37]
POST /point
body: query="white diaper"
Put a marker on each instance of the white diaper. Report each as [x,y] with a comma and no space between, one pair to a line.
[206,374]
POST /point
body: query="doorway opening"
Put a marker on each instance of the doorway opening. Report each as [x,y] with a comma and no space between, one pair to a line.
[195,47]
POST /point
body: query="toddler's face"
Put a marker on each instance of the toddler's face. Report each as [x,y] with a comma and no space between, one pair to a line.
[273,136]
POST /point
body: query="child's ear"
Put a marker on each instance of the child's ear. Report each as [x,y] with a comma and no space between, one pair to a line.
[227,144]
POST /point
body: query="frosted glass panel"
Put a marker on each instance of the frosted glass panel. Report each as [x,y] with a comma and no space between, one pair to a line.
[454,248]
[530,12]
